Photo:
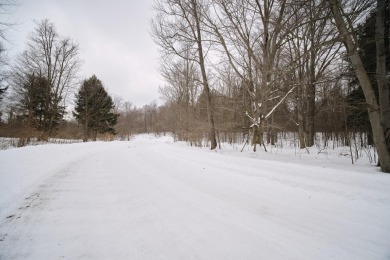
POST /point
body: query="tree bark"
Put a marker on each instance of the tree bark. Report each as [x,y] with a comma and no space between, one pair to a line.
[361,73]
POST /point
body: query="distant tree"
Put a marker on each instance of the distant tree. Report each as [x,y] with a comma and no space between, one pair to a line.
[94,109]
[3,74]
[36,102]
[6,8]
[51,56]
[125,122]
[178,29]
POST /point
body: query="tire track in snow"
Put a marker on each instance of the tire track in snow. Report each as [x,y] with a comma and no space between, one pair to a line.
[17,222]
[146,200]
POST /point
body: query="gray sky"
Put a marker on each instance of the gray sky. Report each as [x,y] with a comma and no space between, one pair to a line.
[113,36]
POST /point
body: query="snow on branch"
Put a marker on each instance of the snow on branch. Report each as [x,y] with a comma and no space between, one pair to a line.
[254,121]
[280,102]
[272,98]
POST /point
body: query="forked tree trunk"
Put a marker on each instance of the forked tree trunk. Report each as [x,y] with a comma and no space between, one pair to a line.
[365,83]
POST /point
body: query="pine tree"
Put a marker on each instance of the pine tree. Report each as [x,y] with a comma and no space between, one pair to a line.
[348,34]
[357,119]
[94,109]
[36,103]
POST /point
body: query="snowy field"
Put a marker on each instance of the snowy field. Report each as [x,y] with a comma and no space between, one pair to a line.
[151,198]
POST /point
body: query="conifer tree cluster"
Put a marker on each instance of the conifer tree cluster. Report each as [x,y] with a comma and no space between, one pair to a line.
[37,104]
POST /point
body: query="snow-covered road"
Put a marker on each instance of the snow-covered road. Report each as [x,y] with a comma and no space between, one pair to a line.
[154,199]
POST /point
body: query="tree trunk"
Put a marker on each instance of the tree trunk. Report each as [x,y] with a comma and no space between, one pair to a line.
[361,73]
[309,134]
[206,87]
[86,131]
[85,136]
[255,138]
[86,117]
[301,118]
[311,93]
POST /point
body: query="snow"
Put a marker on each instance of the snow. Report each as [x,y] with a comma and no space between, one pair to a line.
[151,198]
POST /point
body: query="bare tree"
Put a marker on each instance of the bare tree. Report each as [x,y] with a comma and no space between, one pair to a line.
[251,38]
[178,30]
[125,126]
[182,92]
[313,50]
[51,56]
[348,36]
[6,7]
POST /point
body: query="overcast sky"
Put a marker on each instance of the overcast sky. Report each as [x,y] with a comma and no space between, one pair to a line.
[114,40]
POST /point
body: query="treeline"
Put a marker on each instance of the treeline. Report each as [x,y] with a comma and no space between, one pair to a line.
[240,70]
[41,82]
[264,67]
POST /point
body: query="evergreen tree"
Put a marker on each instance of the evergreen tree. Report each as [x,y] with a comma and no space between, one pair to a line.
[94,109]
[37,106]
[357,119]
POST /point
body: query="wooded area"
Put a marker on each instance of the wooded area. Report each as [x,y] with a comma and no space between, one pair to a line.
[277,66]
[241,71]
